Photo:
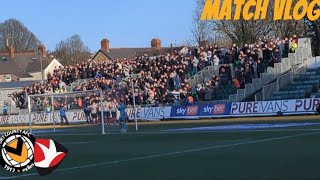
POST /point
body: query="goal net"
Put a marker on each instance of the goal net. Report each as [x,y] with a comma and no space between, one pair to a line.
[83,111]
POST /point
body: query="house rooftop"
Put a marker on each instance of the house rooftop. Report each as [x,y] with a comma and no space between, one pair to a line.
[20,64]
[120,53]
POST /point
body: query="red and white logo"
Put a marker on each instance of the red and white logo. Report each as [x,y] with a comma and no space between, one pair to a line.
[219,109]
[192,110]
[48,154]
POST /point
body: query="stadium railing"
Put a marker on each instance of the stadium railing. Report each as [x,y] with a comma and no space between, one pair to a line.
[258,96]
[280,83]
[269,89]
[201,76]
[11,108]
[76,83]
[284,80]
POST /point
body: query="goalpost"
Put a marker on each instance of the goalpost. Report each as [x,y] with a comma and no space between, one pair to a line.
[44,109]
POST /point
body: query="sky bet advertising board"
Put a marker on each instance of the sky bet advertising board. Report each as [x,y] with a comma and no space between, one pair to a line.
[201,110]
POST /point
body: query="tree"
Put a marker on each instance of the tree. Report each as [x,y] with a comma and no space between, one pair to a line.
[243,31]
[283,29]
[239,31]
[313,31]
[204,30]
[14,33]
[287,28]
[248,31]
[72,51]
[200,30]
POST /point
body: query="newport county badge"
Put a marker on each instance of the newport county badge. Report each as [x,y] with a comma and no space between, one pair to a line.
[17,151]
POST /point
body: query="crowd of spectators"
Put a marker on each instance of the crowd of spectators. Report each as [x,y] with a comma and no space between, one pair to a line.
[164,78]
[248,61]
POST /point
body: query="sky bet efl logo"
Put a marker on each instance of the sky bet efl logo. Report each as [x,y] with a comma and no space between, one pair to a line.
[188,111]
[215,109]
[20,151]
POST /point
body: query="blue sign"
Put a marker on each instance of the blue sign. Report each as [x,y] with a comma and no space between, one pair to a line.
[215,109]
[184,111]
[202,110]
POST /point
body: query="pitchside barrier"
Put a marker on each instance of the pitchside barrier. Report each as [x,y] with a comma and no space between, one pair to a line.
[237,109]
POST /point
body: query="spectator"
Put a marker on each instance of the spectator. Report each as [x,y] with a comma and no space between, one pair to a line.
[224,76]
[195,63]
[276,55]
[62,85]
[98,75]
[190,100]
[286,48]
[177,81]
[216,60]
[79,102]
[294,46]
[48,108]
[236,83]
[255,69]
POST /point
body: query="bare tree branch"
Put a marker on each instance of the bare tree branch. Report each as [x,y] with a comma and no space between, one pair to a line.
[14,33]
[72,51]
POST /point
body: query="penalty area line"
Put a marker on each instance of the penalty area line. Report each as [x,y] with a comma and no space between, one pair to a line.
[169,154]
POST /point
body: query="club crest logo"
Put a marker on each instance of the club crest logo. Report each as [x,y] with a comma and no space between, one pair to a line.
[21,151]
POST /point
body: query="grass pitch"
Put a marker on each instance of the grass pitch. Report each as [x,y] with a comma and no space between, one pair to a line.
[151,153]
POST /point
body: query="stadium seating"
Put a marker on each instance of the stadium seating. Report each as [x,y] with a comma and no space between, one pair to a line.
[303,86]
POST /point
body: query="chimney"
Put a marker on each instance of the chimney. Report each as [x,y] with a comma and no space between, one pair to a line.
[43,50]
[156,43]
[10,50]
[105,45]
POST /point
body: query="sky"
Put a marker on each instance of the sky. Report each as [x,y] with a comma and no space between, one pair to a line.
[126,23]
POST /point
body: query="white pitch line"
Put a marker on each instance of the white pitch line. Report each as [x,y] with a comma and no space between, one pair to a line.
[188,132]
[68,134]
[168,154]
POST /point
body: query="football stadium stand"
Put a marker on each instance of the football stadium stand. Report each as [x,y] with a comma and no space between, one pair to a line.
[266,70]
